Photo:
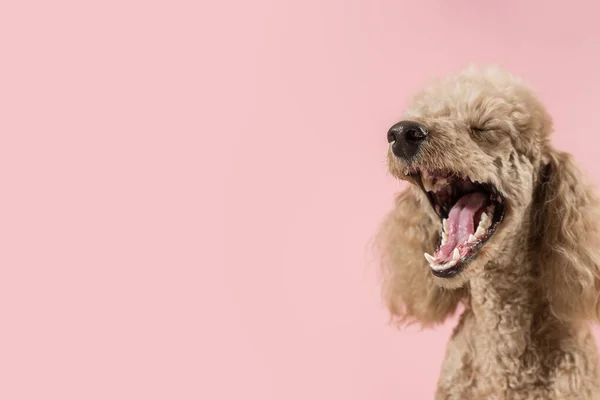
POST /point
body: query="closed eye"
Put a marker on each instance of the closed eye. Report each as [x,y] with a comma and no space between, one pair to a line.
[483,135]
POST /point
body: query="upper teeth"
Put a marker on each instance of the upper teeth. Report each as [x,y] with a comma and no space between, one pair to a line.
[427,183]
[432,184]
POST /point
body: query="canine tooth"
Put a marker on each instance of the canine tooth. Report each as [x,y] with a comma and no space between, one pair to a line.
[472,239]
[456,255]
[430,259]
[479,232]
[445,224]
[427,184]
[444,237]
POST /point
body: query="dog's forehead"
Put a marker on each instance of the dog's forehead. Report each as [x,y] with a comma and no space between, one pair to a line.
[461,98]
[476,100]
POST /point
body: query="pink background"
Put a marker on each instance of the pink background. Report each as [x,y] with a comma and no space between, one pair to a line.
[189,188]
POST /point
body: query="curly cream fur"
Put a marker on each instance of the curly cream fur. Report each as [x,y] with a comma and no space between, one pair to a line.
[534,288]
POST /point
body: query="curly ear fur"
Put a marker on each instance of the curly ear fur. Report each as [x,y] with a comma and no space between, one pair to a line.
[566,239]
[409,291]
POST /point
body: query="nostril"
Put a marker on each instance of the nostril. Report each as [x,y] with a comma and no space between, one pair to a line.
[416,134]
[391,136]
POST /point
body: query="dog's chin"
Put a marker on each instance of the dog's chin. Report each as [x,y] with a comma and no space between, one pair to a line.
[469,270]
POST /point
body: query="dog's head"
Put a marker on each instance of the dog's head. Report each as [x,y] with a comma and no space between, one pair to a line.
[475,147]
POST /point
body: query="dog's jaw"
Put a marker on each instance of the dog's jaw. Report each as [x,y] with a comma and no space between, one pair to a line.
[468,213]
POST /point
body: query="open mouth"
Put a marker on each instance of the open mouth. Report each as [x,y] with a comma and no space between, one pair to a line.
[470,214]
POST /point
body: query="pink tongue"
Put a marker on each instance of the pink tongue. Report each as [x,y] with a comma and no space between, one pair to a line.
[460,223]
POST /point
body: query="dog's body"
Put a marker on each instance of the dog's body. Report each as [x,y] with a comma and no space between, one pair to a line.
[531,287]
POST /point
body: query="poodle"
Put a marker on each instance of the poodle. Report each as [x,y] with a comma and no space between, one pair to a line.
[497,220]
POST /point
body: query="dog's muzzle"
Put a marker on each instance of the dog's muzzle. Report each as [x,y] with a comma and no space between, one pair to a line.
[406,138]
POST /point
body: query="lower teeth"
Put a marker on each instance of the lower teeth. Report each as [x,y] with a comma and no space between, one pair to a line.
[484,223]
[456,254]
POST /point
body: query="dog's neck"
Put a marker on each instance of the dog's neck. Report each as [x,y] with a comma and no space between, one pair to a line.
[505,283]
[505,300]
[509,316]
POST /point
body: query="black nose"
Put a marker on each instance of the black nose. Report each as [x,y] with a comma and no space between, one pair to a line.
[406,138]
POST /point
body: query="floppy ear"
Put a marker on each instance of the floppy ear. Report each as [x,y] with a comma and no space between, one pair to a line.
[567,239]
[408,288]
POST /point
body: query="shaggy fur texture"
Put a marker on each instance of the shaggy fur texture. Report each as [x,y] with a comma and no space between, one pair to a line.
[533,289]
